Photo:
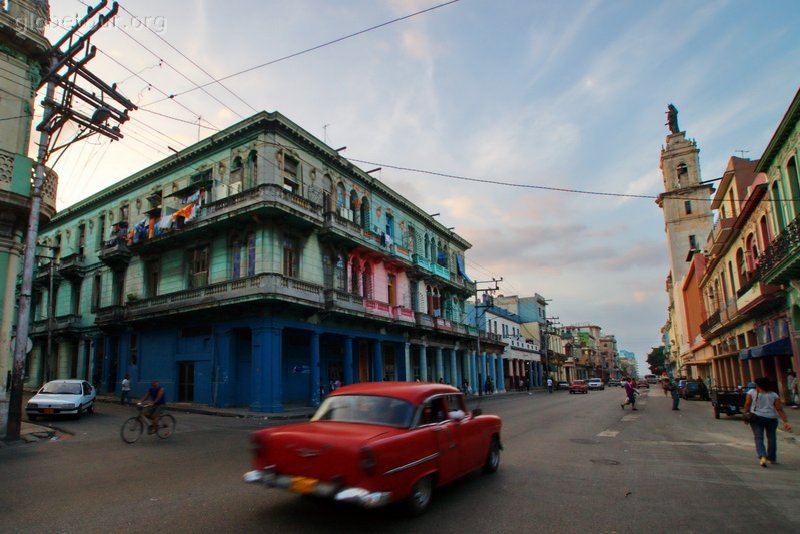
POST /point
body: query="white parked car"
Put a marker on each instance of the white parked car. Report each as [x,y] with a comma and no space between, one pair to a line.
[595,383]
[62,397]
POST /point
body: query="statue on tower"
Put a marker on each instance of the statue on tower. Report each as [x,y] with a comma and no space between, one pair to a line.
[672,119]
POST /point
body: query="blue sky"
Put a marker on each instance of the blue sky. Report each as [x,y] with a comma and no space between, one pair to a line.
[567,94]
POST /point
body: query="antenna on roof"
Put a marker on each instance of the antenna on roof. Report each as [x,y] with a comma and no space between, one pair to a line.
[742,152]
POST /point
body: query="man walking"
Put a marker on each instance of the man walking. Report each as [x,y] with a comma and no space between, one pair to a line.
[676,395]
[549,385]
[630,392]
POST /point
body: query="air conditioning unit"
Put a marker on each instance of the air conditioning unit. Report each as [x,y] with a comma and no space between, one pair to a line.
[220,191]
[235,188]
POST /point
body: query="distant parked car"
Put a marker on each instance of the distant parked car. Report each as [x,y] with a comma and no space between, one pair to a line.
[643,384]
[694,390]
[595,383]
[562,384]
[62,397]
[613,382]
[579,386]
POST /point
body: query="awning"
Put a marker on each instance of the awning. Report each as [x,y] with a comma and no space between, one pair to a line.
[461,270]
[773,348]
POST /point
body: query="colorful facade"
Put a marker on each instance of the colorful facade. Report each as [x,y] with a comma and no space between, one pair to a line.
[257,267]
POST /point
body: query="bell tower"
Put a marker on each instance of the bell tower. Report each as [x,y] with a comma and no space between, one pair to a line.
[686,200]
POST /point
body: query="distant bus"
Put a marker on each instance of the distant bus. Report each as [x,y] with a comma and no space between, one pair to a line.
[651,379]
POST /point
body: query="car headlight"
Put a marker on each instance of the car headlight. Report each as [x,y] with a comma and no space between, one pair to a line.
[32,405]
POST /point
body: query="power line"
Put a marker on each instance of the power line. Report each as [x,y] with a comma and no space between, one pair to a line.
[306,51]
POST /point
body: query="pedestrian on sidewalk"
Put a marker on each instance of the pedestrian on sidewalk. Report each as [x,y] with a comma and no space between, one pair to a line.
[676,394]
[549,385]
[792,389]
[125,396]
[765,407]
[630,392]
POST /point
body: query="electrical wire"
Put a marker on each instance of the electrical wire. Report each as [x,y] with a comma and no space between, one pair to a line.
[307,50]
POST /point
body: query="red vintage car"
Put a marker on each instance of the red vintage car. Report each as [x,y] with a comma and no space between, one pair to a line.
[579,386]
[377,443]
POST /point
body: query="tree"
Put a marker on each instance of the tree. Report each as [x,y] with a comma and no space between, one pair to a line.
[656,359]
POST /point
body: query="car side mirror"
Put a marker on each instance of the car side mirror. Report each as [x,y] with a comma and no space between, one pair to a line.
[476,412]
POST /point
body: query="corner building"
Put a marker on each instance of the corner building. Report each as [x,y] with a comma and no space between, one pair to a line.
[255,268]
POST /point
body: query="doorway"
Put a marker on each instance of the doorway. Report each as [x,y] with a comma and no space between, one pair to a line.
[185,381]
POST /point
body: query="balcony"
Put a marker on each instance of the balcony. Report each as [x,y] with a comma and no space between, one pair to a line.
[109,315]
[423,320]
[254,289]
[441,271]
[404,315]
[339,228]
[72,267]
[115,253]
[336,299]
[423,262]
[376,307]
[266,200]
[722,230]
[711,322]
[65,324]
[443,324]
[780,262]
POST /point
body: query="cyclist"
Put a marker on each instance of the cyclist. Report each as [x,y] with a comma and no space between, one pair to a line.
[153,412]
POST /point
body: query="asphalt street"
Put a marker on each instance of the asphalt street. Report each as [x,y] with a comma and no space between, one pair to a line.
[571,463]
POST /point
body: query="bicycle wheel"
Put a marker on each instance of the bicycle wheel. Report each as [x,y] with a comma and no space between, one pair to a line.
[131,430]
[166,426]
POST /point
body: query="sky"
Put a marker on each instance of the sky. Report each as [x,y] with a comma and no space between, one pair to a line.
[569,95]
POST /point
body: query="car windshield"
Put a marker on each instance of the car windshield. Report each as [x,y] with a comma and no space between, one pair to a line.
[368,409]
[61,388]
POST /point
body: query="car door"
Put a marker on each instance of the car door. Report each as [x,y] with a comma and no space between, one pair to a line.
[471,443]
[86,395]
[445,434]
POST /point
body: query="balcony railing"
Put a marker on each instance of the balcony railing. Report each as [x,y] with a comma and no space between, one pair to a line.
[720,233]
[424,320]
[377,307]
[109,315]
[342,300]
[711,322]
[405,315]
[72,266]
[261,286]
[443,324]
[780,262]
[115,253]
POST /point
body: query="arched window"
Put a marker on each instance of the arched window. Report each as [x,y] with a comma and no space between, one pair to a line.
[427,248]
[741,268]
[340,196]
[340,273]
[766,237]
[251,254]
[237,174]
[327,194]
[354,204]
[367,282]
[752,253]
[794,185]
[681,175]
[236,258]
[252,170]
[775,195]
[365,214]
[354,278]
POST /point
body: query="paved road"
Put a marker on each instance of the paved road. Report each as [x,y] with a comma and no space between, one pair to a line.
[572,463]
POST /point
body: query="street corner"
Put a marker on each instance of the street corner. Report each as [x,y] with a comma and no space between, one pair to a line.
[32,433]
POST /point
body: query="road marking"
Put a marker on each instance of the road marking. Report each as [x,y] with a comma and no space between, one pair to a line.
[608,433]
[630,417]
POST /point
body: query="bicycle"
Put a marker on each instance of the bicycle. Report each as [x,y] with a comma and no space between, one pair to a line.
[133,427]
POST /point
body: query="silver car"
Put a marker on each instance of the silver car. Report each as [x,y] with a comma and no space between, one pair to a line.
[595,383]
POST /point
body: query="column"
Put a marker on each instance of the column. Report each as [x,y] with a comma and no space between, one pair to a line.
[63,365]
[501,378]
[316,386]
[9,263]
[473,371]
[439,365]
[423,363]
[81,370]
[348,360]
[266,383]
[34,379]
[407,361]
[482,372]
[454,374]
[377,361]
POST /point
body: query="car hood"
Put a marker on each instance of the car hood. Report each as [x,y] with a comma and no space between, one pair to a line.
[54,399]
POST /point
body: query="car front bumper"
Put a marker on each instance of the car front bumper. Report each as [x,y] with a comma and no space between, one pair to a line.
[317,488]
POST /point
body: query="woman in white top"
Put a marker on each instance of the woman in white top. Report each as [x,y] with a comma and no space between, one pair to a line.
[766,407]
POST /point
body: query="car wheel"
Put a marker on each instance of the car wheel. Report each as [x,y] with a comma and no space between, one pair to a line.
[90,409]
[421,495]
[493,457]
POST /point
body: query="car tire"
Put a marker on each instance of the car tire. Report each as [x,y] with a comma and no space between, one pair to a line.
[420,497]
[90,409]
[493,456]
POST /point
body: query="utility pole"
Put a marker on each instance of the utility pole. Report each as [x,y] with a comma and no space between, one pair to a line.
[478,305]
[64,79]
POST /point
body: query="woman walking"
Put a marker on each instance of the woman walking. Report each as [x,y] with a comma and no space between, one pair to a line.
[765,407]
